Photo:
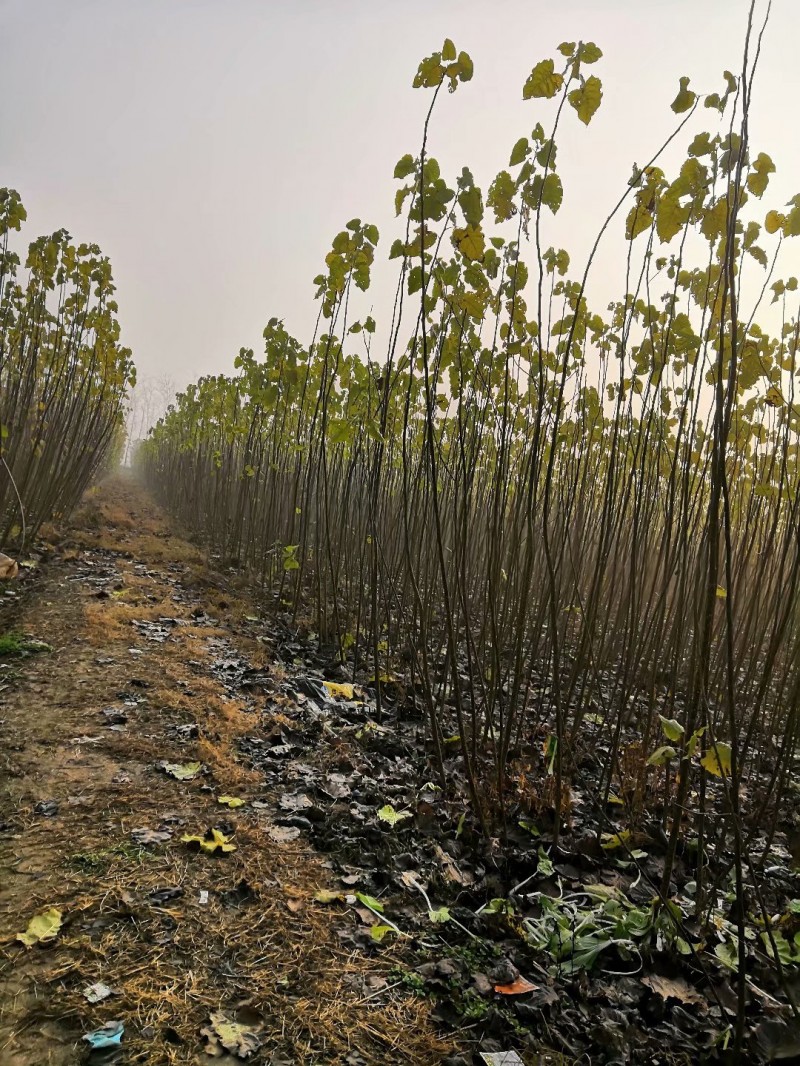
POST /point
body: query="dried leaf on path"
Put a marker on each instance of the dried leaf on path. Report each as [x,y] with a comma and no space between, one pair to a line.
[212,842]
[185,771]
[283,834]
[41,928]
[519,987]
[674,988]
[225,1034]
[345,692]
[146,836]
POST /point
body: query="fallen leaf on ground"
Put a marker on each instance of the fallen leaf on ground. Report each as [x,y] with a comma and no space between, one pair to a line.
[295,905]
[213,841]
[42,927]
[150,836]
[182,771]
[240,1040]
[379,931]
[328,895]
[673,988]
[517,988]
[346,692]
[370,902]
[230,801]
[390,815]
[8,568]
[299,802]
[283,834]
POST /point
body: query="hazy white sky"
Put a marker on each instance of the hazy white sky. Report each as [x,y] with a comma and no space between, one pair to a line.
[213,148]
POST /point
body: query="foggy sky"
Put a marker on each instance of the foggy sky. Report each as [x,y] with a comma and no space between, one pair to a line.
[213,148]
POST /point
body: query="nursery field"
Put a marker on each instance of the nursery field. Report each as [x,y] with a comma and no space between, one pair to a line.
[429,691]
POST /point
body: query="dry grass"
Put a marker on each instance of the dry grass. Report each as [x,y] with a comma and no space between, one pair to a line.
[174,963]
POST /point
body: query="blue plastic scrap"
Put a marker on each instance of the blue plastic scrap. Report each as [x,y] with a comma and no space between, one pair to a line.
[108,1035]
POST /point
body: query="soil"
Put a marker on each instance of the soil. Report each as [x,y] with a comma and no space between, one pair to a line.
[337,903]
[135,621]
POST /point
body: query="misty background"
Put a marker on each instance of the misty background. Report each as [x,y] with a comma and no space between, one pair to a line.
[213,150]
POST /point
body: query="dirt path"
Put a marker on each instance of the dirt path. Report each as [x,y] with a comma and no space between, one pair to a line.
[137,625]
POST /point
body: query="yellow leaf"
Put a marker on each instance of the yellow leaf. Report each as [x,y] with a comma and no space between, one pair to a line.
[722,594]
[610,841]
[542,81]
[758,178]
[328,895]
[774,397]
[717,760]
[670,217]
[182,771]
[774,221]
[346,692]
[470,242]
[586,100]
[230,801]
[42,927]
[639,219]
[685,98]
[448,50]
[213,841]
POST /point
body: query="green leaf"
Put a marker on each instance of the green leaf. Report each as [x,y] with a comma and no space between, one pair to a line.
[543,81]
[404,166]
[685,98]
[717,760]
[545,866]
[370,901]
[589,52]
[448,50]
[390,815]
[465,66]
[552,192]
[662,755]
[440,916]
[587,99]
[429,73]
[672,729]
[42,927]
[378,931]
[230,801]
[519,151]
[501,196]
[694,741]
[728,954]
[471,204]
